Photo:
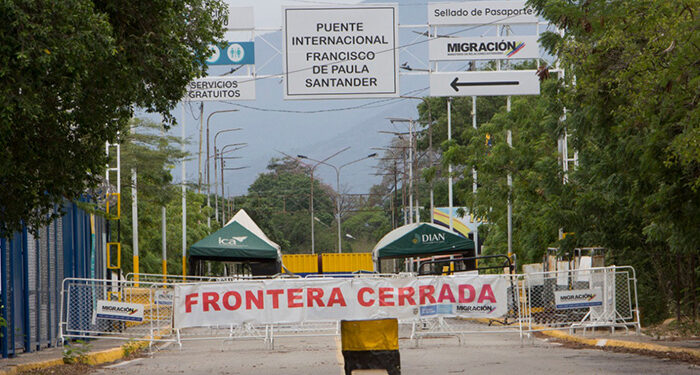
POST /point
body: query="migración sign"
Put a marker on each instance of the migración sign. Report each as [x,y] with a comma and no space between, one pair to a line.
[484,48]
[341,52]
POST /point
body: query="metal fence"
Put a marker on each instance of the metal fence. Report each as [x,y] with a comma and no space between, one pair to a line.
[31,270]
[79,306]
[581,298]
[536,301]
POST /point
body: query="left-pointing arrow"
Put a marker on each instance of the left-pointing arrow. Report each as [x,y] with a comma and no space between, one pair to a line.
[455,83]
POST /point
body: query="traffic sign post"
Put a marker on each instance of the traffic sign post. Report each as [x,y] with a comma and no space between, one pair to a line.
[485,83]
[341,52]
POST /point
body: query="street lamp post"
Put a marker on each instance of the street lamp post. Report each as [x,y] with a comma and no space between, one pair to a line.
[208,184]
[311,198]
[230,207]
[410,164]
[337,175]
[216,201]
[430,147]
[222,157]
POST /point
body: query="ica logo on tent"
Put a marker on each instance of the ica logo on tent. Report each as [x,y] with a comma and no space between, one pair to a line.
[232,241]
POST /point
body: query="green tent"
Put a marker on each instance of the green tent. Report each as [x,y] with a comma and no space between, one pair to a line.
[420,239]
[239,240]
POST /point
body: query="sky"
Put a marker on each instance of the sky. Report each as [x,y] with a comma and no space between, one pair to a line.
[268,13]
[272,126]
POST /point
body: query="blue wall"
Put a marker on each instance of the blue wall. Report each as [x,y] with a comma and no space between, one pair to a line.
[31,271]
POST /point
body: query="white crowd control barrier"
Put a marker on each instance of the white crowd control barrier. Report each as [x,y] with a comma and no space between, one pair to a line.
[175,279]
[266,309]
[116,309]
[581,298]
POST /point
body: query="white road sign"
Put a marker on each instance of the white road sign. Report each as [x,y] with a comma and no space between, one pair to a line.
[341,52]
[488,48]
[239,18]
[579,298]
[513,82]
[131,312]
[221,88]
[480,12]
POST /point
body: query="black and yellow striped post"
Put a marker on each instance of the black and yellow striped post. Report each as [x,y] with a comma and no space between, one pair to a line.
[371,344]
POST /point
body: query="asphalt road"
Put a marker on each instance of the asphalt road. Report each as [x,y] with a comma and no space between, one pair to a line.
[479,353]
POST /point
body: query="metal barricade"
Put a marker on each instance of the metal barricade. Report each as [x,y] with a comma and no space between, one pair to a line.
[82,307]
[458,326]
[159,278]
[581,298]
[572,299]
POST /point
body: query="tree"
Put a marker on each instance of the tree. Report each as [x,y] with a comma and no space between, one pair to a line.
[278,201]
[149,152]
[71,73]
[538,193]
[634,117]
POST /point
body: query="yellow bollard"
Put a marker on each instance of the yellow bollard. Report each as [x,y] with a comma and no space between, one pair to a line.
[371,344]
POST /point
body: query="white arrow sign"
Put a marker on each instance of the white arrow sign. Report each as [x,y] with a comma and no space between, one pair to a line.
[513,82]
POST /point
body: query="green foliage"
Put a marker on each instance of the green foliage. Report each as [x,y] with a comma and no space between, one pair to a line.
[152,154]
[3,321]
[279,201]
[71,74]
[76,353]
[131,347]
[366,227]
[631,97]
[533,163]
[634,120]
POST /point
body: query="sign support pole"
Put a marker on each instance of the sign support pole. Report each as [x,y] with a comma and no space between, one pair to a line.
[164,243]
[477,251]
[184,198]
[449,167]
[509,139]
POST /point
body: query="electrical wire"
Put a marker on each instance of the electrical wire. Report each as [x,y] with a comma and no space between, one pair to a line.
[496,22]
[373,104]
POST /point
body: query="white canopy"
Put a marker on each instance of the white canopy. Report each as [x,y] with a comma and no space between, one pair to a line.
[242,218]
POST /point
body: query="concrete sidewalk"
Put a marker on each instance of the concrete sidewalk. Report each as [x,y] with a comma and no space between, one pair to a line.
[629,341]
[99,351]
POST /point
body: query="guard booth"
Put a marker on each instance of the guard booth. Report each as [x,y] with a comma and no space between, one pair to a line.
[420,240]
[240,241]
